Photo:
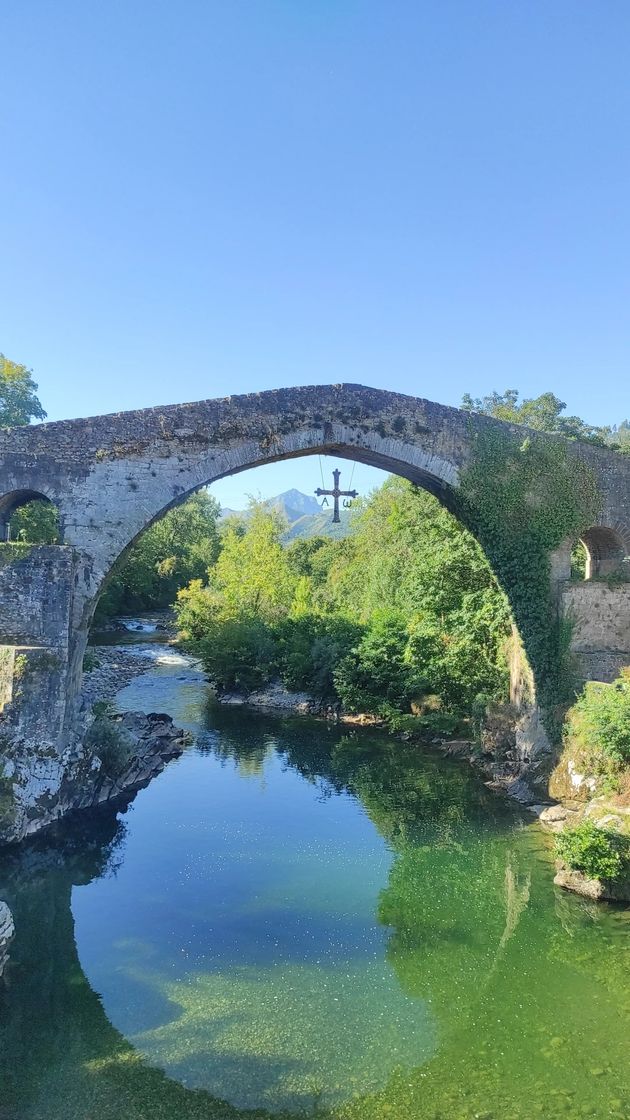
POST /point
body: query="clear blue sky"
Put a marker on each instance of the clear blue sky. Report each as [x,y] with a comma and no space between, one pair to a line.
[203,198]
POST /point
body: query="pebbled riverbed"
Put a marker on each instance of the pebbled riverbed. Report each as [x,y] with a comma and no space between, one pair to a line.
[295,920]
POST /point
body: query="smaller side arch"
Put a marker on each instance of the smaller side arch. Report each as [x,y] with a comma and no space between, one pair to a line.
[16,499]
[606,549]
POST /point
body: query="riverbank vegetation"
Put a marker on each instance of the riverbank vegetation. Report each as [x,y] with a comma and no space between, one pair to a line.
[598,853]
[596,750]
[180,547]
[403,617]
[597,729]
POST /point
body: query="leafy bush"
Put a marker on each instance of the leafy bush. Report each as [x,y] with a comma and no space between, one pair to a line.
[102,708]
[36,522]
[310,647]
[376,675]
[7,800]
[600,719]
[239,653]
[592,850]
[112,744]
[196,609]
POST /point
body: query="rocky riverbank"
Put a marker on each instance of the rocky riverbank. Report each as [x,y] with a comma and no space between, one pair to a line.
[6,934]
[111,668]
[126,749]
[275,699]
[109,754]
[116,753]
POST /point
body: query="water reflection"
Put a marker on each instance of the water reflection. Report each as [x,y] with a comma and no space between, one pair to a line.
[294,918]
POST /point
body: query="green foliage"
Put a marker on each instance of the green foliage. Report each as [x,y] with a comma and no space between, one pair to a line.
[578,561]
[599,722]
[251,575]
[7,800]
[619,437]
[175,550]
[310,647]
[523,498]
[90,661]
[113,745]
[102,708]
[36,522]
[404,608]
[19,403]
[593,851]
[543,413]
[238,653]
[377,676]
[196,608]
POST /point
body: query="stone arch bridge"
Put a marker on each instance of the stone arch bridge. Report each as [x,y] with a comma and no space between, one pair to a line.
[112,476]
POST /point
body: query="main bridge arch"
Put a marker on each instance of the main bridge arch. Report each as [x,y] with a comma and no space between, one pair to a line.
[113,476]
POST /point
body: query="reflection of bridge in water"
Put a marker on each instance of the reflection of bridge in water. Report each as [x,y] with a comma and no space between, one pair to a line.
[57,1046]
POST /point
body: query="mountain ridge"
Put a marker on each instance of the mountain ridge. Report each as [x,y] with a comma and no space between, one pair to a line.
[304,515]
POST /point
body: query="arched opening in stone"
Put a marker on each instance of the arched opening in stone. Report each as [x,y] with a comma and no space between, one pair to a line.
[289,493]
[421,637]
[29,517]
[602,552]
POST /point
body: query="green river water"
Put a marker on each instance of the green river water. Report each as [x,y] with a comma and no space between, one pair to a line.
[294,920]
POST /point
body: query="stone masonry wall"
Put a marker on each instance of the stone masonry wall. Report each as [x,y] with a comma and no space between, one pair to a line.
[36,584]
[601,635]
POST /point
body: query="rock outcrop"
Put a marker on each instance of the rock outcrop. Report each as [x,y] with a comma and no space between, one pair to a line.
[118,753]
[274,698]
[596,889]
[6,934]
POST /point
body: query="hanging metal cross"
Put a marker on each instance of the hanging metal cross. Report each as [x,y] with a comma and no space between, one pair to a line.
[336,493]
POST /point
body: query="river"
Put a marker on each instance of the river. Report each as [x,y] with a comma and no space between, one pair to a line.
[297,920]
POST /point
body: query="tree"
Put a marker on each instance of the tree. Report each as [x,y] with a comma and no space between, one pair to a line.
[19,403]
[178,548]
[620,437]
[35,522]
[376,675]
[252,575]
[543,413]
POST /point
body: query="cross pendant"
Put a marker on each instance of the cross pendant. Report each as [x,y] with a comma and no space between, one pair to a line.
[336,494]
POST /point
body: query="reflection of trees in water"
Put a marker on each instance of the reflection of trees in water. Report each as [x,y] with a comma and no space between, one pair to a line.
[455,893]
[594,940]
[451,915]
[448,899]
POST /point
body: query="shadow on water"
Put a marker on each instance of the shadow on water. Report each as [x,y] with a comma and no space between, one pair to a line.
[471,928]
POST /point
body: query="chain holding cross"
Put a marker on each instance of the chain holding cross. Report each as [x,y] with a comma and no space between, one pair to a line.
[336,493]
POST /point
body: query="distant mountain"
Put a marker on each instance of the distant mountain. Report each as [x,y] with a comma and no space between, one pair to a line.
[319,525]
[304,514]
[293,504]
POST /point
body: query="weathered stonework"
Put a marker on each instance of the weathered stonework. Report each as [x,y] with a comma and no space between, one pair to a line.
[112,476]
[600,614]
